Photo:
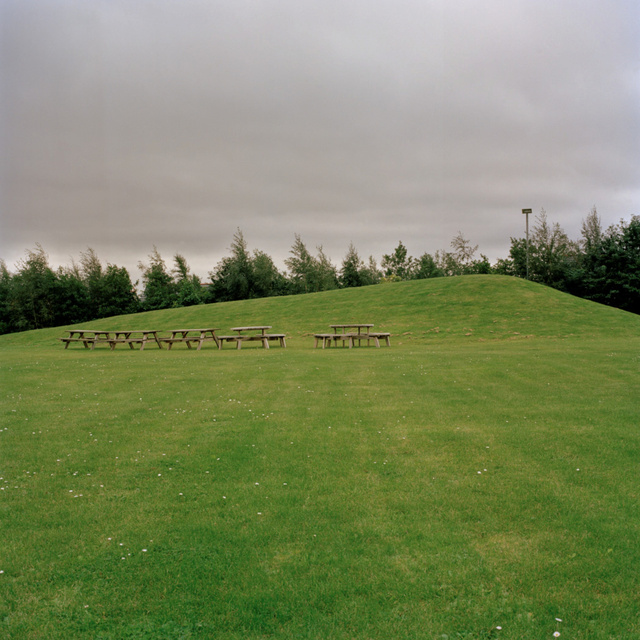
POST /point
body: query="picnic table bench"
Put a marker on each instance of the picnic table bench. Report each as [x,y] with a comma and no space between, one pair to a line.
[340,334]
[261,335]
[191,336]
[90,337]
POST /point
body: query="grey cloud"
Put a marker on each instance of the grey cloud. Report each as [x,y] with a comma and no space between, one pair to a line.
[129,124]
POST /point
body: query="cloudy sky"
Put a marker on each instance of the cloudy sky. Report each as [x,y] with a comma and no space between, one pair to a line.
[126,124]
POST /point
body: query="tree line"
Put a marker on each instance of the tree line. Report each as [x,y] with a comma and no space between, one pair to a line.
[602,265]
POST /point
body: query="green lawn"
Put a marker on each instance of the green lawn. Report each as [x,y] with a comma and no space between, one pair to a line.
[482,472]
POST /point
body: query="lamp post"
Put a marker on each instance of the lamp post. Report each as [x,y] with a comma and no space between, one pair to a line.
[526,212]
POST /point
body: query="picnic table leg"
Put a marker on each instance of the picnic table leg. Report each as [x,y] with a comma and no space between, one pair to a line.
[265,343]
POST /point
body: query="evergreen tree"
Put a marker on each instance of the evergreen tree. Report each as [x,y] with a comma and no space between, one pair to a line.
[352,271]
[326,277]
[611,268]
[233,277]
[159,290]
[302,272]
[6,321]
[188,288]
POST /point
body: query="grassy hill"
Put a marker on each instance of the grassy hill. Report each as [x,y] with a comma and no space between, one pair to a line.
[477,307]
[479,473]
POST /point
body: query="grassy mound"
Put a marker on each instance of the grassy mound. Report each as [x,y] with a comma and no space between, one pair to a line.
[480,473]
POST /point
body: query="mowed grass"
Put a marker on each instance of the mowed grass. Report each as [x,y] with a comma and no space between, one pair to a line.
[480,473]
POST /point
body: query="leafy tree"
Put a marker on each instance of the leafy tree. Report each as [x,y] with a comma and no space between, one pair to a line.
[268,281]
[6,322]
[116,294]
[371,274]
[398,265]
[460,261]
[463,253]
[72,298]
[32,297]
[159,289]
[447,263]
[552,256]
[426,267]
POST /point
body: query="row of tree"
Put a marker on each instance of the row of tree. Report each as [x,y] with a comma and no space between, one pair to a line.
[603,265]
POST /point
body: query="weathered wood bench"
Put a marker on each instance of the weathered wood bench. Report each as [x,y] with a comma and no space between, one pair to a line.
[325,338]
[188,340]
[85,341]
[239,339]
[281,338]
[377,335]
[130,341]
[264,338]
[350,338]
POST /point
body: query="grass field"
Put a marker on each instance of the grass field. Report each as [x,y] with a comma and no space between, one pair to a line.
[478,479]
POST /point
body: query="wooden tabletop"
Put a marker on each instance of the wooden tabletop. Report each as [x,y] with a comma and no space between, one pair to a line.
[262,328]
[351,326]
[175,331]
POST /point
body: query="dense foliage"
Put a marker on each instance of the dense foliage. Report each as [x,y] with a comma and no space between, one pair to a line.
[603,265]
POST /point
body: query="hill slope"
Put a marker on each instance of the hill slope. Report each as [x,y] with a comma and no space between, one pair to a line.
[467,308]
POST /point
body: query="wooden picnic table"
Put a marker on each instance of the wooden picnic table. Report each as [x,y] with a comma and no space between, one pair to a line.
[189,336]
[260,334]
[131,337]
[88,337]
[91,337]
[340,334]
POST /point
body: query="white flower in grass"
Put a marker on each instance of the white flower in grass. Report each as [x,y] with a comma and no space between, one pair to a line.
[558,619]
[556,634]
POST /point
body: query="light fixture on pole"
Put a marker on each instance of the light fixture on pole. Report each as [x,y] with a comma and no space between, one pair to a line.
[526,212]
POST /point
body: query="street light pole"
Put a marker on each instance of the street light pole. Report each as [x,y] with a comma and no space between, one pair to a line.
[526,212]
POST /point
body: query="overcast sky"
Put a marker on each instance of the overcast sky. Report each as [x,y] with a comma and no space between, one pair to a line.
[126,124]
